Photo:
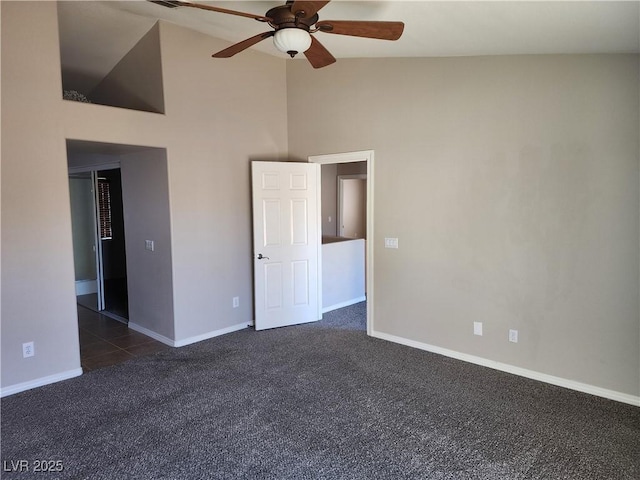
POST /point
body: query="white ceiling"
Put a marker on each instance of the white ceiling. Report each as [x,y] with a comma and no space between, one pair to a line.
[96,34]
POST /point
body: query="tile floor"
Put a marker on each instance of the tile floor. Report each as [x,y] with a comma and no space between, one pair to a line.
[104,341]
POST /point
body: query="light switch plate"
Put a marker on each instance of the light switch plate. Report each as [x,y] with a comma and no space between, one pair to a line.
[148,245]
[513,336]
[390,243]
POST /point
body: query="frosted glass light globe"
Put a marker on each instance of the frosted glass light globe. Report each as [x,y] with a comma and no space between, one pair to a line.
[292,40]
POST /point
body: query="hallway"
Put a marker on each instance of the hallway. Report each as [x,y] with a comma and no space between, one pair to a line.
[104,341]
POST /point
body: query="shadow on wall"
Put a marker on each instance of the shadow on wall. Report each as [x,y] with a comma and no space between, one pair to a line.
[134,82]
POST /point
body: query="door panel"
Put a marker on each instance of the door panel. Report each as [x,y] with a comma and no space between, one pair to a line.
[272,225]
[299,227]
[286,243]
[83,232]
[300,273]
[273,286]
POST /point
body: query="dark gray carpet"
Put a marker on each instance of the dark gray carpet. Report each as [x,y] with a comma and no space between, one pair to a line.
[320,401]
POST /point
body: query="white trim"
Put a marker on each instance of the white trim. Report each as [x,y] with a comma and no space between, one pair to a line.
[114,316]
[353,301]
[96,167]
[208,335]
[86,287]
[39,382]
[523,372]
[319,240]
[152,334]
[189,340]
[349,157]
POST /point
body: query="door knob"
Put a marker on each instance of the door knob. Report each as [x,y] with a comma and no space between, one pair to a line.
[260,257]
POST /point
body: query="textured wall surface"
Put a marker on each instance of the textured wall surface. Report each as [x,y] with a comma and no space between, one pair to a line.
[512,185]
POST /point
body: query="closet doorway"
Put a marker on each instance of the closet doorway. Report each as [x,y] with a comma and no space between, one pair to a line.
[99,251]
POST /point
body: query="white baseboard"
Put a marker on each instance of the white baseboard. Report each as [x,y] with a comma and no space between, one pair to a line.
[208,335]
[152,334]
[343,304]
[523,372]
[189,340]
[39,382]
[109,314]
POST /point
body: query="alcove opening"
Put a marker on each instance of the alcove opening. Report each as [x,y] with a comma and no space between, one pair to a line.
[110,57]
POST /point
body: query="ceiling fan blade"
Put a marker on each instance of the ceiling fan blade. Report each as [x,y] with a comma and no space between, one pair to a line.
[381,30]
[243,45]
[317,55]
[306,9]
[213,9]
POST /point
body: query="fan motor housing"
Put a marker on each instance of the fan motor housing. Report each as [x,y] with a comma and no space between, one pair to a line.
[283,17]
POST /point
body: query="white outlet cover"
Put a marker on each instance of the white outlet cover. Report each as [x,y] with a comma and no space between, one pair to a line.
[28,350]
[477,328]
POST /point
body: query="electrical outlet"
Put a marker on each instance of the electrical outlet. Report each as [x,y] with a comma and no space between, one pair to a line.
[149,245]
[513,336]
[236,302]
[28,350]
[477,328]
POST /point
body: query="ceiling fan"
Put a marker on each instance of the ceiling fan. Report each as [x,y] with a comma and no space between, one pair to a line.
[293,25]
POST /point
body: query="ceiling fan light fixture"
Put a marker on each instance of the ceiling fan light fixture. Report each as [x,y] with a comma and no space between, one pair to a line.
[292,40]
[292,25]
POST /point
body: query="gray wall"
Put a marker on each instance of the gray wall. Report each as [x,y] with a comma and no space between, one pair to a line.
[352,168]
[38,294]
[329,173]
[512,185]
[145,196]
[511,182]
[209,138]
[136,81]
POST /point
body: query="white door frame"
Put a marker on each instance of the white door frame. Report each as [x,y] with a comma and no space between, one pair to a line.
[350,157]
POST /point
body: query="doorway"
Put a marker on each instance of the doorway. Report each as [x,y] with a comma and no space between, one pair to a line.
[363,161]
[99,241]
[352,205]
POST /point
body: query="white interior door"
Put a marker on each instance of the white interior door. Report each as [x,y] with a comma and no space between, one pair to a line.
[286,243]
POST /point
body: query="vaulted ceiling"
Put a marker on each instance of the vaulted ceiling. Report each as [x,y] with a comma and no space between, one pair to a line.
[95,34]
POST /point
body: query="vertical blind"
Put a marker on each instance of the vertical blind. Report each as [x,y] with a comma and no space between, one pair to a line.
[104,209]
